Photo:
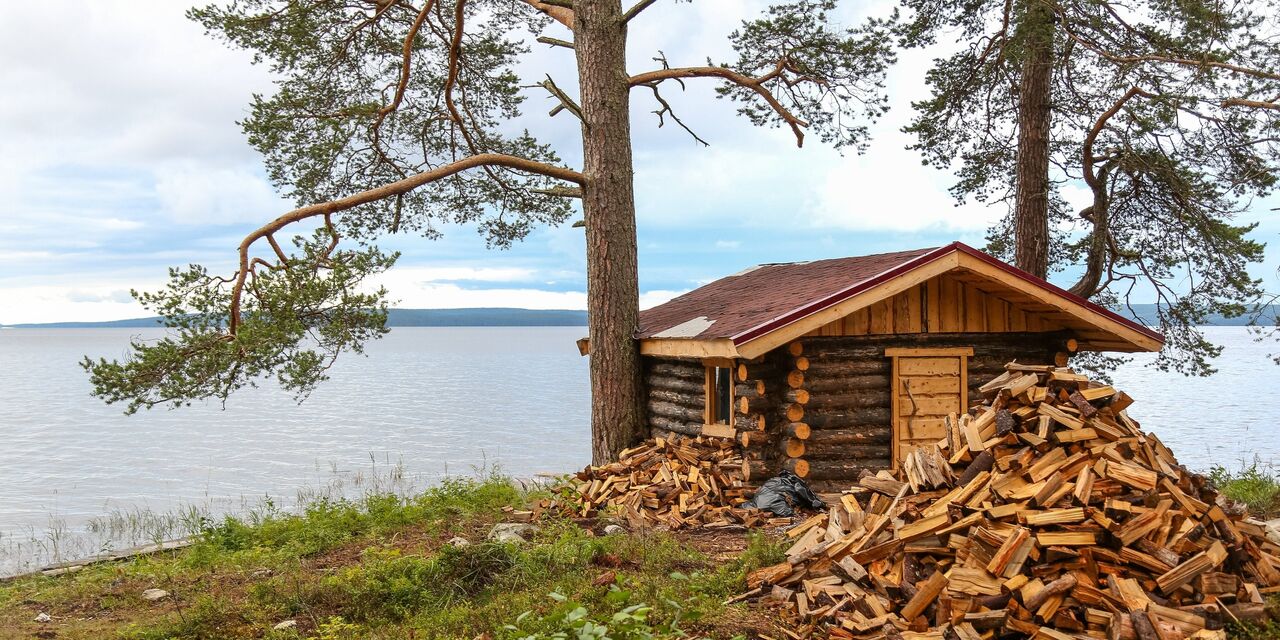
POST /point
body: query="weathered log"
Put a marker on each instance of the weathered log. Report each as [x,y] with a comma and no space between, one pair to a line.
[757,470]
[795,379]
[751,389]
[816,383]
[667,424]
[814,450]
[672,383]
[793,447]
[677,397]
[798,466]
[748,406]
[797,430]
[795,348]
[794,412]
[800,396]
[756,371]
[831,368]
[801,363]
[753,422]
[675,411]
[690,371]
[857,400]
[841,469]
[755,439]
[879,435]
[848,418]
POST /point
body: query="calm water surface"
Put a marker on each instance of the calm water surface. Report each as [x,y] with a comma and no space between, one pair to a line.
[426,402]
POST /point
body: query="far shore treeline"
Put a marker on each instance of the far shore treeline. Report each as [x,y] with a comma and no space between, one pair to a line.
[512,317]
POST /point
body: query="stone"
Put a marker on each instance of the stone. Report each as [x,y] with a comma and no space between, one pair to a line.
[613,529]
[151,595]
[43,618]
[287,624]
[458,541]
[511,532]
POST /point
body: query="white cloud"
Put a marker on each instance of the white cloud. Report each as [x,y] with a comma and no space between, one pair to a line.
[193,194]
[651,299]
[728,244]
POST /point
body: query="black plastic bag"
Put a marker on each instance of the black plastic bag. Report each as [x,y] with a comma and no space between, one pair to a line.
[782,494]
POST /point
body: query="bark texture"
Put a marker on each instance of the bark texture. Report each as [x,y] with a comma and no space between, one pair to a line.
[1031,200]
[608,204]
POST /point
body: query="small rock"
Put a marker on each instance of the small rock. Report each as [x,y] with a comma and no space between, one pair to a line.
[513,532]
[458,541]
[43,618]
[287,624]
[613,529]
[261,573]
[151,595]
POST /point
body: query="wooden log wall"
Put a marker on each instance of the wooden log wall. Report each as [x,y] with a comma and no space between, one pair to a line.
[676,396]
[844,425]
[755,414]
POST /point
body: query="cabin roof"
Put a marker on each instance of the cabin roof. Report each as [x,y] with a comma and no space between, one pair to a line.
[770,298]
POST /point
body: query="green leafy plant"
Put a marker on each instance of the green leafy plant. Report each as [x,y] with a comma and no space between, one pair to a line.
[573,620]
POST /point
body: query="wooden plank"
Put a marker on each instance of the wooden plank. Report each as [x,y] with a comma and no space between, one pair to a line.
[940,366]
[930,385]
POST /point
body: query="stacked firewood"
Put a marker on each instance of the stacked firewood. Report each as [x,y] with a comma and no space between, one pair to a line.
[670,483]
[1045,513]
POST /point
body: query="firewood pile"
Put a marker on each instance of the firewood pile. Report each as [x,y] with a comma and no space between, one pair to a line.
[1045,513]
[670,483]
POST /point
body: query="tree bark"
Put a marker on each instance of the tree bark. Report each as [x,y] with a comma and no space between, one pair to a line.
[1031,199]
[608,204]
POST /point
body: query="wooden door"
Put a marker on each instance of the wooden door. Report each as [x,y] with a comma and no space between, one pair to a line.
[928,384]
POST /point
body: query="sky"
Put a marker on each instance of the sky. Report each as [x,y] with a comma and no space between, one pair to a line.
[120,157]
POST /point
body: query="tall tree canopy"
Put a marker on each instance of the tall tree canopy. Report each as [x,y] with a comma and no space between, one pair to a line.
[1166,114]
[394,116]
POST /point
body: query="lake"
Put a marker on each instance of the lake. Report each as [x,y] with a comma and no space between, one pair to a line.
[425,403]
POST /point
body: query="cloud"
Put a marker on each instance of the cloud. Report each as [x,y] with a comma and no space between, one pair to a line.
[119,295]
[189,193]
[728,244]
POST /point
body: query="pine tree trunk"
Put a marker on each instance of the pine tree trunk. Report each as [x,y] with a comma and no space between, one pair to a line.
[608,203]
[1031,203]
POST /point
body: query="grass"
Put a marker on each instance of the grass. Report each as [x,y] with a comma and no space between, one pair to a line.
[1256,485]
[380,567]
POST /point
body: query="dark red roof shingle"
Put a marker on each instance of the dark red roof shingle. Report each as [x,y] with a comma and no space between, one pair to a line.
[745,300]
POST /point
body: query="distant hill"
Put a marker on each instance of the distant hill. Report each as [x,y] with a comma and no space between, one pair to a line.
[478,317]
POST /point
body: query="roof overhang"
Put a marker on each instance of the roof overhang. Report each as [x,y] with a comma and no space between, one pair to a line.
[1100,328]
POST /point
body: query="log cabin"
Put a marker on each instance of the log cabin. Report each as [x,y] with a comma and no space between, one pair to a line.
[831,367]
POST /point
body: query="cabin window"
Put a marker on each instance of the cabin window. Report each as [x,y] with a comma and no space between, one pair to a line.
[719,395]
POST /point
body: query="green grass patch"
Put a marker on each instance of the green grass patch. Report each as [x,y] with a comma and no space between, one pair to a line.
[1255,485]
[379,567]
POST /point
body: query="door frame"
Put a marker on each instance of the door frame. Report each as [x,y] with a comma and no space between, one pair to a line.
[964,353]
